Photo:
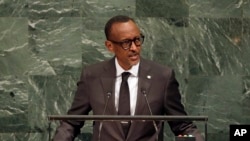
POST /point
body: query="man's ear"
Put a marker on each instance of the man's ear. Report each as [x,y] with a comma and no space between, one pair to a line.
[109,46]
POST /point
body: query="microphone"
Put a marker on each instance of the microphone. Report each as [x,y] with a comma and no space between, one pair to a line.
[154,123]
[105,107]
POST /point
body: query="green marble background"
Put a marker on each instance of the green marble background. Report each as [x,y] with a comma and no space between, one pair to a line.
[44,45]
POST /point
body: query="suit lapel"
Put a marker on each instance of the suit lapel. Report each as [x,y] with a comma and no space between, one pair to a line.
[108,83]
[144,84]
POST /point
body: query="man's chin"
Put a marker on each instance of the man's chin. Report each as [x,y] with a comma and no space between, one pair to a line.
[134,62]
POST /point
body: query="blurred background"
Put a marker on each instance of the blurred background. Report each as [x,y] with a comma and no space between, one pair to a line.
[44,45]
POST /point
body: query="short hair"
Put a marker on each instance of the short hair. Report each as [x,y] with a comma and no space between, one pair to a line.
[113,20]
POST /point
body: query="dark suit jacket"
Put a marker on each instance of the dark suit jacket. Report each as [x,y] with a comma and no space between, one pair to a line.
[162,92]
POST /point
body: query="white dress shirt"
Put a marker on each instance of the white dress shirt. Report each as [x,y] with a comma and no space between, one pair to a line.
[132,83]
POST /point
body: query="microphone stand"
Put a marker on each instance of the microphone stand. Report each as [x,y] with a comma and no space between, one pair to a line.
[154,123]
[101,122]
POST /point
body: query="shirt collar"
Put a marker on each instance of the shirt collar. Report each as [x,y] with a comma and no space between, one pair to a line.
[119,70]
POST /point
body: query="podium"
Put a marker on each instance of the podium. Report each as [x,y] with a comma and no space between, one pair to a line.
[142,118]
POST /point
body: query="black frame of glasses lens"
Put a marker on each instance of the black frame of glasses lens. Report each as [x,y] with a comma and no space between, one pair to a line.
[129,42]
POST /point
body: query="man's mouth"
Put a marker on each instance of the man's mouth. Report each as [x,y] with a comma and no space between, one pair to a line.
[134,56]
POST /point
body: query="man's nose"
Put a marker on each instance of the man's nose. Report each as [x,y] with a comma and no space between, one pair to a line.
[133,46]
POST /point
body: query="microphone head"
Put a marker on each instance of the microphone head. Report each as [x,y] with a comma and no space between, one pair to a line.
[108,94]
[143,91]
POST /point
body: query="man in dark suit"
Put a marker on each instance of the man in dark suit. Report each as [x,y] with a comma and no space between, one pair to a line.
[148,83]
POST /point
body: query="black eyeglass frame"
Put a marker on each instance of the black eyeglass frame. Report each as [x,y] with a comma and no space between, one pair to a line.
[129,42]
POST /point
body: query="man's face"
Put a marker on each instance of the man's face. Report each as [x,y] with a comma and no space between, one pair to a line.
[122,32]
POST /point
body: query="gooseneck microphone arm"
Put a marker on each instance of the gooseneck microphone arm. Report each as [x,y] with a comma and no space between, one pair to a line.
[105,107]
[149,108]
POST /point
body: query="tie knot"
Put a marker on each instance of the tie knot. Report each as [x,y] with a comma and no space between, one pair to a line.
[125,76]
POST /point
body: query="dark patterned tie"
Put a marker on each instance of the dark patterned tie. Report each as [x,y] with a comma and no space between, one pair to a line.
[124,102]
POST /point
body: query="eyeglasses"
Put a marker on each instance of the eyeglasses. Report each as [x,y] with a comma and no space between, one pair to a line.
[126,44]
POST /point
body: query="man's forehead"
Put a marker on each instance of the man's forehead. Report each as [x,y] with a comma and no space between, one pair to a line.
[124,28]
